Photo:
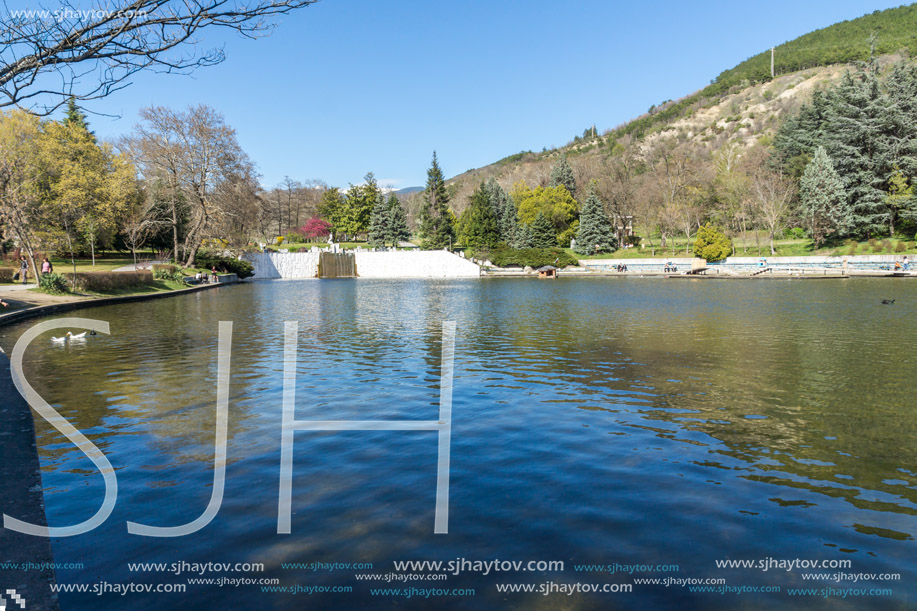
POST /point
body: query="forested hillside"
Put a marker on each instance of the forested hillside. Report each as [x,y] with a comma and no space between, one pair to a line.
[711,157]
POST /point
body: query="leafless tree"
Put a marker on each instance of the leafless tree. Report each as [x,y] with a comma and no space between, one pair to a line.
[619,187]
[48,56]
[140,223]
[673,170]
[200,159]
[156,150]
[773,195]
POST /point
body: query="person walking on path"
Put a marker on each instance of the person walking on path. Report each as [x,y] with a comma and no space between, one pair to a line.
[23,269]
[46,267]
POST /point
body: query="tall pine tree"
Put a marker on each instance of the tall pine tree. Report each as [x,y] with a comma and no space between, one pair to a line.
[856,140]
[435,218]
[398,229]
[505,209]
[595,233]
[481,229]
[542,232]
[822,198]
[562,174]
[74,117]
[379,226]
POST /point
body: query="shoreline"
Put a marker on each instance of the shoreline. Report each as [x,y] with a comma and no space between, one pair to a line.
[76,304]
[23,499]
[20,466]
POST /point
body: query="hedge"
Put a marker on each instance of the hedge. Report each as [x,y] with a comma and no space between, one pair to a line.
[242,269]
[103,282]
[533,257]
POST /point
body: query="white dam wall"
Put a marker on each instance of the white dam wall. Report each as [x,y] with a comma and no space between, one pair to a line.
[390,264]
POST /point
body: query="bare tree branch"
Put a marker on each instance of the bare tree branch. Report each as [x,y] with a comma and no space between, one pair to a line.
[48,56]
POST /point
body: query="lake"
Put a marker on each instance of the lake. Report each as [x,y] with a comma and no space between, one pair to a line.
[595,422]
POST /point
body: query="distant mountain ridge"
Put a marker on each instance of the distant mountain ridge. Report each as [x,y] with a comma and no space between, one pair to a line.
[407,190]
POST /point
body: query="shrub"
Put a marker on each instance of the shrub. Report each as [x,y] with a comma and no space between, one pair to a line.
[795,233]
[876,245]
[712,244]
[164,272]
[53,283]
[6,274]
[533,257]
[242,269]
[168,272]
[900,247]
[103,282]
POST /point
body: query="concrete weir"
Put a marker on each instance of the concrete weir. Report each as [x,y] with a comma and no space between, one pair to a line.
[22,498]
[368,264]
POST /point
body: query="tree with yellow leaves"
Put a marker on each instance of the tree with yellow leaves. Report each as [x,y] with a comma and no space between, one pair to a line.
[87,187]
[20,176]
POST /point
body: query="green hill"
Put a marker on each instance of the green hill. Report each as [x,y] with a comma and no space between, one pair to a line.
[742,104]
[894,30]
[890,31]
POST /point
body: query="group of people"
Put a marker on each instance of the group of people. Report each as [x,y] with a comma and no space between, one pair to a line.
[621,267]
[669,267]
[23,276]
[203,277]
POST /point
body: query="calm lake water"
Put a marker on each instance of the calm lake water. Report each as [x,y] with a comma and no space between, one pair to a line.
[595,421]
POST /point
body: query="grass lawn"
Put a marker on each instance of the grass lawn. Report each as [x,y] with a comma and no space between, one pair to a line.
[158,286]
[109,262]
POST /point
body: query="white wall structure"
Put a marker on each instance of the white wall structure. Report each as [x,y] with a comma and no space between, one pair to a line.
[269,265]
[414,264]
[391,264]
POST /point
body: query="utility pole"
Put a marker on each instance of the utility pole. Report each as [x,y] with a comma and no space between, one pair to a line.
[772,62]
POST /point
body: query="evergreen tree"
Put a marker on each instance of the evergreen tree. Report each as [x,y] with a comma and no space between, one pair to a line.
[435,218]
[331,208]
[562,174]
[398,229]
[505,209]
[480,228]
[712,244]
[857,141]
[900,198]
[868,131]
[74,117]
[821,194]
[523,237]
[595,233]
[799,135]
[542,232]
[379,226]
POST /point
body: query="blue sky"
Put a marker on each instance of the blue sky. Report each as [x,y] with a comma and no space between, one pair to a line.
[348,86]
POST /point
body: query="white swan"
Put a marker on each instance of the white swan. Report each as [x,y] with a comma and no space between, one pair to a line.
[59,340]
[77,336]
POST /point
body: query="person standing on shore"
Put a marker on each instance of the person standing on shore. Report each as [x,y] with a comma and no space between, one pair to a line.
[905,264]
[23,269]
